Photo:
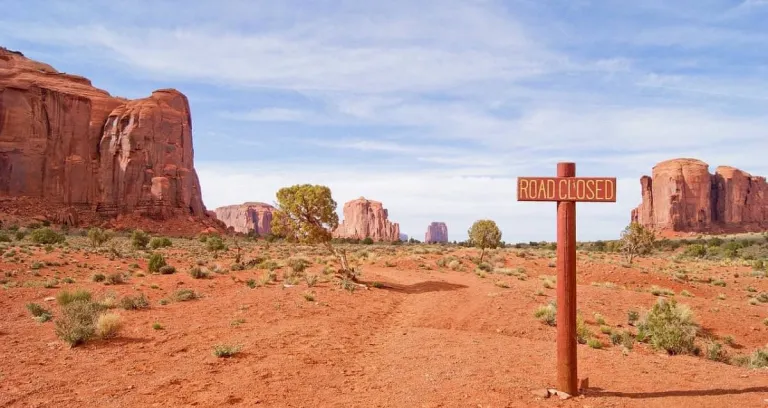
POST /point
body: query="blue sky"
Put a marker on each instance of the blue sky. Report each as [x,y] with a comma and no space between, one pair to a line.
[432,107]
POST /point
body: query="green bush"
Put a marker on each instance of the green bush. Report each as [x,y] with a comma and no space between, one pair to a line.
[298,265]
[156,261]
[139,239]
[671,327]
[160,242]
[368,241]
[215,244]
[98,236]
[46,236]
[4,237]
[78,322]
[696,251]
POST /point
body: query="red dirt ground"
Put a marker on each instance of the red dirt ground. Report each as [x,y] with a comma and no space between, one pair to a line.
[428,338]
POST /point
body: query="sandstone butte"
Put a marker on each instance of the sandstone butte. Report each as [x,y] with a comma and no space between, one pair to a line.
[73,154]
[365,218]
[247,217]
[436,232]
[682,196]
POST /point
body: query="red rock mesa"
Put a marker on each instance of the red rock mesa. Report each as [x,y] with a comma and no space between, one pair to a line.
[682,196]
[71,151]
[247,217]
[367,218]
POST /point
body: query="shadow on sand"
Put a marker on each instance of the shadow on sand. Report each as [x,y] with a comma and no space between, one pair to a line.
[599,392]
[421,287]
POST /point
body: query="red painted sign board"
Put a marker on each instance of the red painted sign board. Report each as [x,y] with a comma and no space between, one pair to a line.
[579,189]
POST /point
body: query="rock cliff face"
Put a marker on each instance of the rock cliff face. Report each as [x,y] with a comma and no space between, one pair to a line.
[436,232]
[367,218]
[247,217]
[79,150]
[682,196]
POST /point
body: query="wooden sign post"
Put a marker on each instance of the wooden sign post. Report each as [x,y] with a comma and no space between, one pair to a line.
[566,189]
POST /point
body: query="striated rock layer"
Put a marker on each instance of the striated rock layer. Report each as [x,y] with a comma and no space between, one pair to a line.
[367,218]
[436,232]
[74,147]
[247,217]
[682,196]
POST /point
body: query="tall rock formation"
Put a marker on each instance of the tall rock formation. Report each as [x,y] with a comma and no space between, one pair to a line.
[74,148]
[247,217]
[367,218]
[436,232]
[682,196]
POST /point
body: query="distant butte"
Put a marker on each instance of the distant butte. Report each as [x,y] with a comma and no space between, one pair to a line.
[436,232]
[365,218]
[682,196]
[247,217]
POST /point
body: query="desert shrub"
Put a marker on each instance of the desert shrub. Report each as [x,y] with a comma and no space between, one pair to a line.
[695,251]
[4,237]
[139,239]
[547,314]
[485,267]
[114,279]
[594,343]
[46,236]
[311,280]
[160,242]
[731,249]
[38,312]
[583,334]
[758,265]
[65,297]
[715,352]
[167,270]
[198,273]
[758,359]
[156,261]
[134,302]
[225,350]
[77,323]
[183,295]
[108,325]
[98,236]
[298,265]
[671,327]
[215,244]
[367,241]
[20,234]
